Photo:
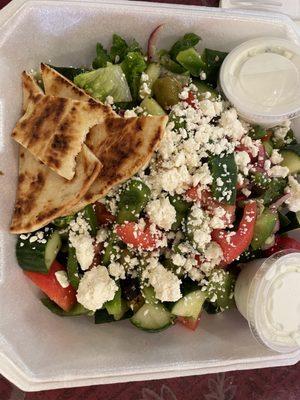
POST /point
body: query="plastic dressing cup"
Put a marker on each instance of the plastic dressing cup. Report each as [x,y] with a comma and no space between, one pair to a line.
[261,78]
[267,294]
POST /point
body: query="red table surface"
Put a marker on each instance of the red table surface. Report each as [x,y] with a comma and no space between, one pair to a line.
[282,383]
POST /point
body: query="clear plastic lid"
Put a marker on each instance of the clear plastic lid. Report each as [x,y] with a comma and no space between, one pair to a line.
[261,78]
[273,304]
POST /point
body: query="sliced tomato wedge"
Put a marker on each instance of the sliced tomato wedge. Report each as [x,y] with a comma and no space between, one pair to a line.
[132,234]
[210,204]
[189,322]
[65,298]
[234,243]
[282,243]
[104,217]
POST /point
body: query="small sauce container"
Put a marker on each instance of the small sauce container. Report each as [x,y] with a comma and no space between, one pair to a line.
[267,294]
[261,79]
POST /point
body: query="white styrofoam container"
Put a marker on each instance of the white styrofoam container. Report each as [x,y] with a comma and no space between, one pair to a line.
[39,350]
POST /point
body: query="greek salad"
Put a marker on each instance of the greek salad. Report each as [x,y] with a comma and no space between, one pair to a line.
[167,244]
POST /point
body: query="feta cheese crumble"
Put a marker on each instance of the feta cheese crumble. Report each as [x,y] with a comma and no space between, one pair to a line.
[82,241]
[62,278]
[294,190]
[162,213]
[166,284]
[95,288]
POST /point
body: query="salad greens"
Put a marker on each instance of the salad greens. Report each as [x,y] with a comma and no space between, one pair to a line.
[166,244]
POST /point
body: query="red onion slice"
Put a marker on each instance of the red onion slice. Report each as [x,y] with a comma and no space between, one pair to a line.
[151,47]
[280,201]
[262,156]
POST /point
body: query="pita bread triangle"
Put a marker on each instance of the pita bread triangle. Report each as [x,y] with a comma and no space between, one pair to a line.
[56,84]
[42,195]
[123,145]
[53,129]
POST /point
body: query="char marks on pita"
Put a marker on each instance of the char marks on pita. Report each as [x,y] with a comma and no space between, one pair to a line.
[53,129]
[123,145]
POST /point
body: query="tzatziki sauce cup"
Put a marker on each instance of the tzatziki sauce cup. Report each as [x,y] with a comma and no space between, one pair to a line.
[267,294]
[261,78]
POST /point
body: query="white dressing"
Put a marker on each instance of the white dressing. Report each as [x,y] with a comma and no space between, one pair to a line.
[267,295]
[261,78]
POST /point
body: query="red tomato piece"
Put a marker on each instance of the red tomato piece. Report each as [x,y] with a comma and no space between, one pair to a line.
[282,243]
[208,203]
[63,297]
[191,99]
[266,137]
[98,247]
[132,234]
[189,322]
[235,243]
[192,193]
[104,217]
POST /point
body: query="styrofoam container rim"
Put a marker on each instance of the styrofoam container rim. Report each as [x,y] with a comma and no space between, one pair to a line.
[13,366]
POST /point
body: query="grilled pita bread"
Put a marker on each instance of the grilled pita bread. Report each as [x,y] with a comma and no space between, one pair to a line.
[42,195]
[123,145]
[53,129]
[56,84]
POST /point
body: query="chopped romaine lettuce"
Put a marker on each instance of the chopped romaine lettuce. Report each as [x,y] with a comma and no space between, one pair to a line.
[133,66]
[120,48]
[103,82]
[102,57]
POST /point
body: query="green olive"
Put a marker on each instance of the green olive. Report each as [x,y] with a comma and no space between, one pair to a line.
[166,91]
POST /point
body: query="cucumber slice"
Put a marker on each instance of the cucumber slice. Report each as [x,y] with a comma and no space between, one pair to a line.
[102,316]
[152,107]
[264,228]
[152,318]
[38,255]
[153,72]
[204,88]
[77,310]
[191,60]
[189,305]
[291,160]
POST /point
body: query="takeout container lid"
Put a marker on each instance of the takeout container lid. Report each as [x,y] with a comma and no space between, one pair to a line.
[274,63]
[39,350]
